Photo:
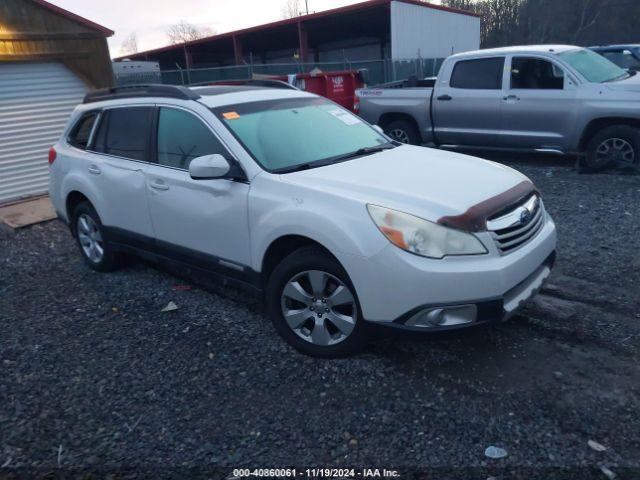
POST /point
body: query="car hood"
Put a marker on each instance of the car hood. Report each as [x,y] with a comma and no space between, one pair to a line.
[631,84]
[422,181]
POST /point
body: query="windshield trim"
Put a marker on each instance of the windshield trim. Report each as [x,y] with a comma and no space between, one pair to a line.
[248,107]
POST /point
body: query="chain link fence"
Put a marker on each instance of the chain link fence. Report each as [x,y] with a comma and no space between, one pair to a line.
[378,71]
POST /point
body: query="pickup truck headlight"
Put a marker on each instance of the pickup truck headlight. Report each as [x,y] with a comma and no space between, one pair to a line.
[422,237]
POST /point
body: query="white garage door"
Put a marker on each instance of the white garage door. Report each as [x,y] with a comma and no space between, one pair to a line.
[36,100]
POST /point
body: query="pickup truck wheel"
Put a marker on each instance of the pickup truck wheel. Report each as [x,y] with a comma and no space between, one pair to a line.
[313,305]
[95,249]
[403,131]
[618,145]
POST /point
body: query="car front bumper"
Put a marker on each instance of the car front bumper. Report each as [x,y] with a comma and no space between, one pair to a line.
[394,286]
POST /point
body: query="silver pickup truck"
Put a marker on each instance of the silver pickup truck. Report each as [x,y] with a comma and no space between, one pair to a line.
[552,98]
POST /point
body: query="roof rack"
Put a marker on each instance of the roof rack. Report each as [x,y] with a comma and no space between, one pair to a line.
[252,82]
[134,91]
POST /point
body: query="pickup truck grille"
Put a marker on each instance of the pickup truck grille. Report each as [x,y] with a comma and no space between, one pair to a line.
[517,227]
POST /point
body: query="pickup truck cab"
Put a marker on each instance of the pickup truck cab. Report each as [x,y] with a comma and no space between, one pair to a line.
[554,98]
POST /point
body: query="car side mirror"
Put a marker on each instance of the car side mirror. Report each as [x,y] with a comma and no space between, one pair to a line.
[209,167]
[379,129]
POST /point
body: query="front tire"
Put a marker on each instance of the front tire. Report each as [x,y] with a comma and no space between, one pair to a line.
[615,146]
[90,235]
[403,131]
[313,305]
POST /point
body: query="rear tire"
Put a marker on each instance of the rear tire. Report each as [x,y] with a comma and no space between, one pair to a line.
[403,131]
[614,146]
[90,235]
[313,305]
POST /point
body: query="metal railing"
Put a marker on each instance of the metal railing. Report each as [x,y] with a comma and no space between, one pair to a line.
[378,71]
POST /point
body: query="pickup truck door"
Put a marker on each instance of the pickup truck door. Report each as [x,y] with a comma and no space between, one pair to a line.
[540,105]
[467,102]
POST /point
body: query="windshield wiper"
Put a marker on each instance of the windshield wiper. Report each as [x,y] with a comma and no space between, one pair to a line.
[321,163]
[624,76]
[364,151]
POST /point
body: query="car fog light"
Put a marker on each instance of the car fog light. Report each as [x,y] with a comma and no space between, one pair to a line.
[443,316]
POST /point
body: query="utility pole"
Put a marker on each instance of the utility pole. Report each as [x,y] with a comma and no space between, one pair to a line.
[306,5]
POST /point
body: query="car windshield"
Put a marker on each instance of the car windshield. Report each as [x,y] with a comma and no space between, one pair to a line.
[594,67]
[288,134]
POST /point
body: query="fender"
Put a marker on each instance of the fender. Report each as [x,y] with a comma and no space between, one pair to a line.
[73,181]
[330,232]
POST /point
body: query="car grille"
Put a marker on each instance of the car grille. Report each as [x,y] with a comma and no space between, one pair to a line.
[512,230]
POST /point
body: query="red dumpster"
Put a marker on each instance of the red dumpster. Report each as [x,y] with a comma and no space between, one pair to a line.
[339,87]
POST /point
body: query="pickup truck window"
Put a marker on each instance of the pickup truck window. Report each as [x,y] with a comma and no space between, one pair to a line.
[623,58]
[595,68]
[535,74]
[283,134]
[478,74]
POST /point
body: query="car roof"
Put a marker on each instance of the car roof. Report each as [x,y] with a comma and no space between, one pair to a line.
[554,49]
[211,96]
[613,47]
[221,95]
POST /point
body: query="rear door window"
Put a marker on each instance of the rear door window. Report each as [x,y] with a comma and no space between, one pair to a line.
[79,136]
[124,132]
[183,137]
[478,74]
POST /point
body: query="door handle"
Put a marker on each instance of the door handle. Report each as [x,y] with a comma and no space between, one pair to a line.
[159,185]
[94,169]
[511,98]
[444,98]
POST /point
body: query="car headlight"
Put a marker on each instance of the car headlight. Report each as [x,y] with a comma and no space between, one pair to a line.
[422,237]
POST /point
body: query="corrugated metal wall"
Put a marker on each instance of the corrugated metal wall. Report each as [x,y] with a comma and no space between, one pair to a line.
[36,100]
[430,33]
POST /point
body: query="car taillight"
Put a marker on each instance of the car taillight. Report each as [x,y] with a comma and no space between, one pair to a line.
[52,155]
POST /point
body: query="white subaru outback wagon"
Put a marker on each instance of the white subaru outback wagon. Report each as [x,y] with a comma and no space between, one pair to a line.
[294,197]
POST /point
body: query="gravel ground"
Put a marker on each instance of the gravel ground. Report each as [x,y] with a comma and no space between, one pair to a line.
[95,377]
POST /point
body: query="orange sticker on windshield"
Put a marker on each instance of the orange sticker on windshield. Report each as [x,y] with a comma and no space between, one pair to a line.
[231,115]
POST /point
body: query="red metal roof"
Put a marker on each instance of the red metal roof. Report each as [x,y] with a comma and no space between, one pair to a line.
[72,16]
[292,21]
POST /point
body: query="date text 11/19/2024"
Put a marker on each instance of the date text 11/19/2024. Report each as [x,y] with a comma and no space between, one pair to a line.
[315,473]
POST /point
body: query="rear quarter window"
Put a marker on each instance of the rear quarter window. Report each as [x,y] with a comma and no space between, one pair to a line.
[478,74]
[81,131]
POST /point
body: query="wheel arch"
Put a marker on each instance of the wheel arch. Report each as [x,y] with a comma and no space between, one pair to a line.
[598,124]
[283,246]
[386,118]
[73,199]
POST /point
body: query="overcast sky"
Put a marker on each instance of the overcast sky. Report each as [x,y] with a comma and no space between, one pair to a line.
[150,18]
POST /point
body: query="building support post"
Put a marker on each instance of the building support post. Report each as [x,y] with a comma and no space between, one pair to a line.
[188,61]
[303,43]
[237,50]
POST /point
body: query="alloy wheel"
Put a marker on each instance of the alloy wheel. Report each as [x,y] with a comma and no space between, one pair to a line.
[615,150]
[400,135]
[319,307]
[90,238]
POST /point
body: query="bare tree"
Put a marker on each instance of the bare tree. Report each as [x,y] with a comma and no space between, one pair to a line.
[185,32]
[588,18]
[130,44]
[291,9]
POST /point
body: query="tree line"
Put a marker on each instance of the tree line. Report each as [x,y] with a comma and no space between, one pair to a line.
[575,22]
